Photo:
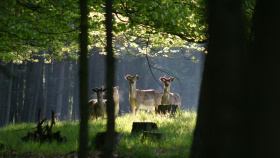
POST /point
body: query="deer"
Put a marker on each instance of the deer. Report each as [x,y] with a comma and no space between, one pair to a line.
[97,107]
[116,100]
[142,99]
[167,97]
[95,104]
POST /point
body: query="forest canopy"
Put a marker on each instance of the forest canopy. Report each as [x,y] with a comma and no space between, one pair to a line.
[152,27]
[27,27]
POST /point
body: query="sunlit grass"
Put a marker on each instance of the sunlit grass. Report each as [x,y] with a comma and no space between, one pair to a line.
[177,131]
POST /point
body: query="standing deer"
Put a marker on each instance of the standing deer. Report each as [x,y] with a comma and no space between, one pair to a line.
[97,106]
[142,99]
[167,97]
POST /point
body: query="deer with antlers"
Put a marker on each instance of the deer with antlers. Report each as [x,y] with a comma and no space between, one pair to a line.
[142,99]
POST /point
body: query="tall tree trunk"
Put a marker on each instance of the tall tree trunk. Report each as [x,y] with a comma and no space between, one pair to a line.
[2,101]
[110,75]
[263,101]
[76,85]
[37,82]
[32,80]
[66,98]
[28,92]
[45,90]
[83,75]
[52,87]
[220,124]
[9,96]
[60,87]
[238,113]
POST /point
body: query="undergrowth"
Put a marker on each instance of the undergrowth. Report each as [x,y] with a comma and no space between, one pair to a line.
[177,131]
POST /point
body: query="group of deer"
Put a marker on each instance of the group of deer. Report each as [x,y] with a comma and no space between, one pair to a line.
[140,99]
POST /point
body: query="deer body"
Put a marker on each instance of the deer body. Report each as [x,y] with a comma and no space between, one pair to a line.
[167,97]
[97,106]
[142,99]
[116,100]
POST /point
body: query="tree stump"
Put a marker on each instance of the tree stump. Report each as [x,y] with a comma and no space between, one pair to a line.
[99,140]
[153,136]
[163,109]
[143,126]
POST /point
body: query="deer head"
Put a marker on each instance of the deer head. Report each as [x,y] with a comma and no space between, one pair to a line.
[166,81]
[99,91]
[132,79]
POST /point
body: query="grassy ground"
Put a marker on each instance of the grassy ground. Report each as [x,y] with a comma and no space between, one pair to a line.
[177,131]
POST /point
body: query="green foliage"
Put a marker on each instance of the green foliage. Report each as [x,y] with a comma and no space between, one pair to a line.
[177,131]
[152,27]
[30,26]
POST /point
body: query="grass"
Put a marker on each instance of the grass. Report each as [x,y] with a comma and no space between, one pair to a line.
[177,131]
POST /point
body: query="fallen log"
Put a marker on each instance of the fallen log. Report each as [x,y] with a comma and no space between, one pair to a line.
[43,134]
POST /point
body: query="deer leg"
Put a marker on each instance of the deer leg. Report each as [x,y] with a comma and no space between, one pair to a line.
[137,110]
[133,110]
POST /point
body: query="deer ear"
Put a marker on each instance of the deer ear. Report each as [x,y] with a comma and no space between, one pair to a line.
[94,89]
[171,78]
[137,77]
[103,90]
[162,79]
[127,77]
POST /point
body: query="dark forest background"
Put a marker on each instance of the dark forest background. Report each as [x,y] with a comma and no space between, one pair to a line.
[55,86]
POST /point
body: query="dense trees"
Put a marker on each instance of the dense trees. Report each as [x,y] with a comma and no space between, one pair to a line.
[28,27]
[239,101]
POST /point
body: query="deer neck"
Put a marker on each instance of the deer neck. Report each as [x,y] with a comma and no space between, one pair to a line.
[132,91]
[100,100]
[166,92]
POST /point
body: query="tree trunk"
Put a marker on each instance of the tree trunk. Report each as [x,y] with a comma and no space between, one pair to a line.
[110,75]
[238,113]
[76,85]
[60,88]
[37,82]
[45,90]
[9,96]
[83,76]
[221,123]
[2,101]
[263,85]
[27,91]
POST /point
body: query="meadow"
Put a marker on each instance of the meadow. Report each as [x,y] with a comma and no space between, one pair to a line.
[177,130]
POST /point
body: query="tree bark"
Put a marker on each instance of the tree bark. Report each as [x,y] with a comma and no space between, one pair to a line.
[238,112]
[264,75]
[76,111]
[220,124]
[27,92]
[60,89]
[45,90]
[37,82]
[110,75]
[83,76]
[9,96]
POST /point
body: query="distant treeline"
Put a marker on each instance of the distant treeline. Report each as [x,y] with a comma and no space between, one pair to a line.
[55,86]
